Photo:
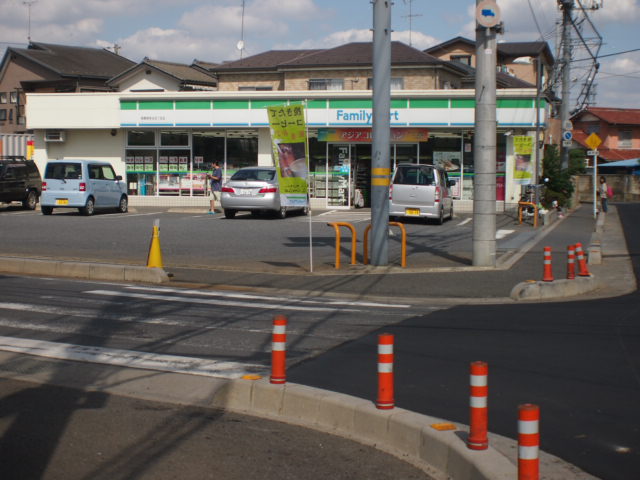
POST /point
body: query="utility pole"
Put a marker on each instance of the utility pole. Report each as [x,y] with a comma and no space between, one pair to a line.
[484,145]
[380,170]
[567,7]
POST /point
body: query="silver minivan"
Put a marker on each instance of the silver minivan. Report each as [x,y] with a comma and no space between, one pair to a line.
[83,184]
[421,191]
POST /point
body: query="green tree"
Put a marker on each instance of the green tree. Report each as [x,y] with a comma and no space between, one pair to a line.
[558,185]
[577,162]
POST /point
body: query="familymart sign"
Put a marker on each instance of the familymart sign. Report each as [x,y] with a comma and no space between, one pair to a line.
[404,112]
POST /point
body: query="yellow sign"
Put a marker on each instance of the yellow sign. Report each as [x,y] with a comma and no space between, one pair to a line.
[593,141]
[523,145]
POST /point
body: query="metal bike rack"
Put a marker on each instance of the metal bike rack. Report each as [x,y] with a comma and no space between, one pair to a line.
[336,226]
[365,255]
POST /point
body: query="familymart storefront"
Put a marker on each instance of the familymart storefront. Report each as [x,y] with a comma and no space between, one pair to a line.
[165,143]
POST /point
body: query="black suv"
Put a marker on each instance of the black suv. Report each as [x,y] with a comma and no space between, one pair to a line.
[20,181]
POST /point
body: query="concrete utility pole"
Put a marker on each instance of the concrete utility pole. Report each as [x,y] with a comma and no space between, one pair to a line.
[380,170]
[567,7]
[484,145]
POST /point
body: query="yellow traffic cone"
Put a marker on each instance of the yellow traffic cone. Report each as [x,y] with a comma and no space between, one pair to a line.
[154,260]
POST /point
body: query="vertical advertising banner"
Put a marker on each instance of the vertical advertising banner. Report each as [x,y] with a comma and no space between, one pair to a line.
[289,142]
[523,165]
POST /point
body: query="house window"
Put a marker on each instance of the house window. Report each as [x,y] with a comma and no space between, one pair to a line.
[3,97]
[259,88]
[3,115]
[594,128]
[397,83]
[13,97]
[624,139]
[326,84]
[466,59]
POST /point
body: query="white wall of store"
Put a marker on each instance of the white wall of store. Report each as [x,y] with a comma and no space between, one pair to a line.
[83,144]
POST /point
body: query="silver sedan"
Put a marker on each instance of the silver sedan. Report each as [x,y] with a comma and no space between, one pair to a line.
[254,189]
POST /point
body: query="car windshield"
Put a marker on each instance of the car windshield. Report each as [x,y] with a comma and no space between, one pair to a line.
[414,176]
[63,171]
[255,174]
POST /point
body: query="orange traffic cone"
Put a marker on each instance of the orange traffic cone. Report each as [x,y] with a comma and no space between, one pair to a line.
[582,262]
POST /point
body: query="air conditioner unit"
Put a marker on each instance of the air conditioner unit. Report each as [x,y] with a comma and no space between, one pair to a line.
[54,136]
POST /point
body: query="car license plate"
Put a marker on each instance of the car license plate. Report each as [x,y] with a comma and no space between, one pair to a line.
[244,191]
[412,212]
[62,201]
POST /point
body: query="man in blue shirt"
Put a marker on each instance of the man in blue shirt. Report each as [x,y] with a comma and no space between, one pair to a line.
[216,186]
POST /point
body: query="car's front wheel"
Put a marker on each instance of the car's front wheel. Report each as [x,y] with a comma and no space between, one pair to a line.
[123,206]
[282,213]
[89,207]
[31,201]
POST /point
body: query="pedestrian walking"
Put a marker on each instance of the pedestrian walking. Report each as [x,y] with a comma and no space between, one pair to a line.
[215,178]
[603,190]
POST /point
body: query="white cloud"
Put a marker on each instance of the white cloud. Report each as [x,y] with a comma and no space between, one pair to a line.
[617,11]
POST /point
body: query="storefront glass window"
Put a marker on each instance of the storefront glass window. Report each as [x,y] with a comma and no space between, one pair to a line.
[141,138]
[141,171]
[174,138]
[242,149]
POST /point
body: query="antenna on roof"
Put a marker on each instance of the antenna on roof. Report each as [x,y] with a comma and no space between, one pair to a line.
[240,44]
[410,17]
[28,3]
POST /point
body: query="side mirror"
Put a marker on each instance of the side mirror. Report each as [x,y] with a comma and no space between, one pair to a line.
[118,177]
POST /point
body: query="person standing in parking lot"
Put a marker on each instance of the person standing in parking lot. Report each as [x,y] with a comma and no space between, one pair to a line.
[215,187]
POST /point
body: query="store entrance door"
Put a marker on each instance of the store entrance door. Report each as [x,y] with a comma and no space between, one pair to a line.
[338,174]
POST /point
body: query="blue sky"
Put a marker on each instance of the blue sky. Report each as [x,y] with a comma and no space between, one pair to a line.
[182,31]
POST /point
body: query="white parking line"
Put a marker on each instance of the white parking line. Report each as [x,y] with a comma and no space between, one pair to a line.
[464,222]
[500,234]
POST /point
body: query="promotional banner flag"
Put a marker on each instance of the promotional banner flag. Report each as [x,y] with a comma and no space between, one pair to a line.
[523,148]
[289,142]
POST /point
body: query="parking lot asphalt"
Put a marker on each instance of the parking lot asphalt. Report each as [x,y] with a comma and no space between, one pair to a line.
[274,255]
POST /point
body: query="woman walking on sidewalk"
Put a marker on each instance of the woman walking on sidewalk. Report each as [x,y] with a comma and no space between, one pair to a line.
[603,190]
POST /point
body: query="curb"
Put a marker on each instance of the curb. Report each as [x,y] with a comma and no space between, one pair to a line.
[84,270]
[539,290]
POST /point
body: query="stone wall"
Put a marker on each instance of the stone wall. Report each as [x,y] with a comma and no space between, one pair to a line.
[626,188]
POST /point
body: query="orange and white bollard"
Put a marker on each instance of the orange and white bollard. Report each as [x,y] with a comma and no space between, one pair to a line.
[478,424]
[528,442]
[548,271]
[582,262]
[385,372]
[571,262]
[279,350]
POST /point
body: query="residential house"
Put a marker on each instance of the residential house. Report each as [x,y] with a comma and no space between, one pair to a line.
[159,76]
[618,128]
[45,67]
[346,67]
[517,59]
